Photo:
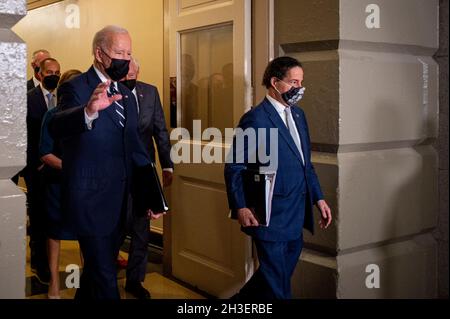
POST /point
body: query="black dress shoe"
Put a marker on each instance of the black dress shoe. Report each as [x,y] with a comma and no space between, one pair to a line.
[137,291]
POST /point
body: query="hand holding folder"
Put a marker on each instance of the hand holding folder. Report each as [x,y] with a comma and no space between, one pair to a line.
[258,192]
[147,191]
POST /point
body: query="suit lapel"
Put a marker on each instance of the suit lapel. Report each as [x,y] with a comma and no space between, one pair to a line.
[282,129]
[141,100]
[146,106]
[302,133]
[42,103]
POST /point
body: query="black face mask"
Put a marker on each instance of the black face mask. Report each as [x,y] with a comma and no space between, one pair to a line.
[293,95]
[36,69]
[50,82]
[131,84]
[118,68]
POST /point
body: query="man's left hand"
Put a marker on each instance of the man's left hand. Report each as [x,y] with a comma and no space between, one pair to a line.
[325,214]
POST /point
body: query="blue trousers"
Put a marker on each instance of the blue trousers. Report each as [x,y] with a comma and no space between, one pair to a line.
[277,261]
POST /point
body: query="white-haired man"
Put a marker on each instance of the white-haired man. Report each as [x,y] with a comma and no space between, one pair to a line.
[37,57]
[98,126]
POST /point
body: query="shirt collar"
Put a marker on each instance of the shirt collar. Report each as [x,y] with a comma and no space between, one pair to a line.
[100,75]
[277,105]
[44,91]
[36,81]
[103,77]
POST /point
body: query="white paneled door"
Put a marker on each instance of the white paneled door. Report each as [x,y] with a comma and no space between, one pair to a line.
[210,54]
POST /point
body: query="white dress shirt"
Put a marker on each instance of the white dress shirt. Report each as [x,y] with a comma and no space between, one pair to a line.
[36,81]
[280,110]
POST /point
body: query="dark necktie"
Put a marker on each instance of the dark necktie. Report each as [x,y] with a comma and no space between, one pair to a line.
[120,111]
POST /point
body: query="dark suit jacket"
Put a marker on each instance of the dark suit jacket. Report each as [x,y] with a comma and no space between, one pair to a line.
[30,84]
[36,109]
[296,187]
[152,124]
[97,163]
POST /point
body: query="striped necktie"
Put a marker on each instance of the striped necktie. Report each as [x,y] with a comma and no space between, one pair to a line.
[120,111]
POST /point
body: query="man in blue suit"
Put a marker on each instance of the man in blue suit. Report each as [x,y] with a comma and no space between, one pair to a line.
[296,187]
[98,126]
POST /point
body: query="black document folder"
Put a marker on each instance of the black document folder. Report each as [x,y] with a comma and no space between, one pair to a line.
[147,190]
[258,192]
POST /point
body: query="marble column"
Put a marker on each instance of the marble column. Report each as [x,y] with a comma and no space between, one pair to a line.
[12,151]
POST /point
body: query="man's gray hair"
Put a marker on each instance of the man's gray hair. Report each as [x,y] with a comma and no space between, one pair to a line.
[40,51]
[101,38]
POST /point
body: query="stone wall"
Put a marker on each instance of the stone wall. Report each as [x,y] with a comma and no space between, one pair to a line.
[12,151]
[372,106]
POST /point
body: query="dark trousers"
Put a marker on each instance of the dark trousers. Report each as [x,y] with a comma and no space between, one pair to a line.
[277,261]
[138,254]
[38,220]
[99,277]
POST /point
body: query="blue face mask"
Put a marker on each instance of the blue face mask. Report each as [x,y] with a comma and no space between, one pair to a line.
[293,95]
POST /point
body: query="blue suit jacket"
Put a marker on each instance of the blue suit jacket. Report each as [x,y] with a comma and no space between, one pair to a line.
[97,163]
[296,187]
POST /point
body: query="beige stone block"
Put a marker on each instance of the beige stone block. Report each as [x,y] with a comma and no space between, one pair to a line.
[11,11]
[12,241]
[407,269]
[321,99]
[296,21]
[315,276]
[402,22]
[327,171]
[386,194]
[387,98]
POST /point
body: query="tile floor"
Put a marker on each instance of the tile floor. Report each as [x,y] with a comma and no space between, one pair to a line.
[159,286]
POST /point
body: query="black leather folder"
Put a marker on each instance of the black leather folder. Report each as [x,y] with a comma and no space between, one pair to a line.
[147,191]
[258,192]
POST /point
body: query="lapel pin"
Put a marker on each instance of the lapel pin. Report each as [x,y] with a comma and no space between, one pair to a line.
[126,96]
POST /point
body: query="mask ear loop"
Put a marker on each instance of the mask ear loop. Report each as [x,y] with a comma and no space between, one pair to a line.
[276,87]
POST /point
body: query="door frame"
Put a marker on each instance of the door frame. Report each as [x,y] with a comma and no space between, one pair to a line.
[262,39]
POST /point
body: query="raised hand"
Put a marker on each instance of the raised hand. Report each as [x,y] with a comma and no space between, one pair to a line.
[100,100]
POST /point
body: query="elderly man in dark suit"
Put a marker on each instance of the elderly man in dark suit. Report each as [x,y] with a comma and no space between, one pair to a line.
[39,100]
[152,128]
[36,59]
[296,187]
[98,126]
